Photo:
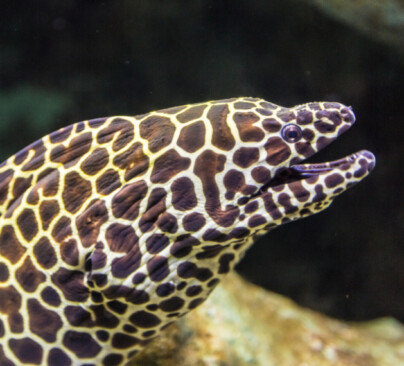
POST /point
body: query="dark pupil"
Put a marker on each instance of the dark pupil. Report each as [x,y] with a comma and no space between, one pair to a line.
[292,134]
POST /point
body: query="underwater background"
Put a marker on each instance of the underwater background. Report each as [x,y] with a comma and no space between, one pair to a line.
[62,62]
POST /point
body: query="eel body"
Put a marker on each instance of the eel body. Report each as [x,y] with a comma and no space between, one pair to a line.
[111,229]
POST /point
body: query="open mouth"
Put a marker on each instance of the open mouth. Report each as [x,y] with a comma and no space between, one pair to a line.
[353,167]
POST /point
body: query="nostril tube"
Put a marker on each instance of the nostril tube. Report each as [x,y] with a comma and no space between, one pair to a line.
[348,115]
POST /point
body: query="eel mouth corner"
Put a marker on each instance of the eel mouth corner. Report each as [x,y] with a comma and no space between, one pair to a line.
[355,167]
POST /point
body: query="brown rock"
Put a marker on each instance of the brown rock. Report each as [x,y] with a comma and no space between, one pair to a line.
[242,324]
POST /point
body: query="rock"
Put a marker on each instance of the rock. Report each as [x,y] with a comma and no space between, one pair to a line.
[383,20]
[242,324]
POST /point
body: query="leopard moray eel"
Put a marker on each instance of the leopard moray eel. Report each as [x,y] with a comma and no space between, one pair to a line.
[113,228]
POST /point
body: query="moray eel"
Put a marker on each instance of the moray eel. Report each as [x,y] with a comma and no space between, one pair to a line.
[112,228]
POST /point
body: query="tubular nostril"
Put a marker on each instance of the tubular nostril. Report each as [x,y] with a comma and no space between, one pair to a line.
[348,115]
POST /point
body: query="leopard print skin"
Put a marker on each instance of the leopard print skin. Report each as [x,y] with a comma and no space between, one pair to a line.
[110,229]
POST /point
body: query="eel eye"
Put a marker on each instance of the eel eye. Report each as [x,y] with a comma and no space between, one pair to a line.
[291,133]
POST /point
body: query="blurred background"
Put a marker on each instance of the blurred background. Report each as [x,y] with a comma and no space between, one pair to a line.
[62,62]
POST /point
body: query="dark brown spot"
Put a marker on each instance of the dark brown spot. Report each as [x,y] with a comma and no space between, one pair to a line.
[28,276]
[50,296]
[21,185]
[246,156]
[69,155]
[234,181]
[104,318]
[155,207]
[172,304]
[26,350]
[124,266]
[62,229]
[194,303]
[122,341]
[251,206]
[320,195]
[167,223]
[305,149]
[126,202]
[334,180]
[121,238]
[324,127]
[286,115]
[69,252]
[304,117]
[125,135]
[16,322]
[271,125]
[168,165]
[192,137]
[138,278]
[48,181]
[4,272]
[108,182]
[191,113]
[43,322]
[224,262]
[301,194]
[210,251]
[193,221]
[243,105]
[261,174]
[194,290]
[98,258]
[60,135]
[71,283]
[308,134]
[165,289]
[156,243]
[222,136]
[322,142]
[113,359]
[158,131]
[44,253]
[5,179]
[38,159]
[27,224]
[102,335]
[57,357]
[10,300]
[76,191]
[48,210]
[284,200]
[81,344]
[96,161]
[207,165]
[183,194]
[183,246]
[89,222]
[10,247]
[215,236]
[189,269]
[144,319]
[133,161]
[158,268]
[245,124]
[256,220]
[277,151]
[117,306]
